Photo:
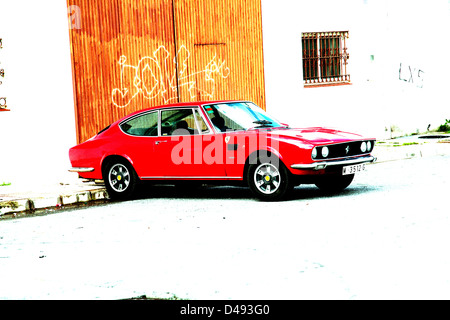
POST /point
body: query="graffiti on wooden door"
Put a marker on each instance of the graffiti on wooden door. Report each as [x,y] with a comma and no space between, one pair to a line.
[157,77]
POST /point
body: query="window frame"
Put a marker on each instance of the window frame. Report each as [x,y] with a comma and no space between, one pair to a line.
[261,111]
[139,116]
[325,58]
[194,110]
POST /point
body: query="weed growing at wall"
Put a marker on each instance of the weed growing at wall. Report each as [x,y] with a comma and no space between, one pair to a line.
[445,127]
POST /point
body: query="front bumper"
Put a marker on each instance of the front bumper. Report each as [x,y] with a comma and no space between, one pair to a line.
[333,163]
[81,170]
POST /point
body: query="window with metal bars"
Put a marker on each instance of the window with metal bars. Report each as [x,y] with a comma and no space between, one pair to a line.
[325,58]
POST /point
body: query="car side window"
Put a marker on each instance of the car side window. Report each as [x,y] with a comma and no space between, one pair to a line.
[181,122]
[223,118]
[144,126]
[200,122]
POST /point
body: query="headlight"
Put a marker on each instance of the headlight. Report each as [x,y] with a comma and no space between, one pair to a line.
[369,146]
[363,147]
[314,153]
[325,152]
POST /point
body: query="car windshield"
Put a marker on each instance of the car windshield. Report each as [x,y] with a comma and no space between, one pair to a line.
[239,116]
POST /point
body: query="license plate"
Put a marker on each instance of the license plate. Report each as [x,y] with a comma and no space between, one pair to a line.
[353,169]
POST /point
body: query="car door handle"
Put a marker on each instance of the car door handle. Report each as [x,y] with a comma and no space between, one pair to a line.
[159,142]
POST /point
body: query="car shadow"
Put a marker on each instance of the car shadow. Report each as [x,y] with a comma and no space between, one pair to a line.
[152,191]
[205,192]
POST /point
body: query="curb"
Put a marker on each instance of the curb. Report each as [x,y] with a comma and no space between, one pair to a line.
[30,205]
[390,152]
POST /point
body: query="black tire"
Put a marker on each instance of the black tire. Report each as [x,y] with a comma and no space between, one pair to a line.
[120,179]
[334,183]
[269,180]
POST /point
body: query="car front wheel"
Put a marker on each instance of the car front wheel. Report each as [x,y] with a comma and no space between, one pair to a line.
[269,181]
[120,179]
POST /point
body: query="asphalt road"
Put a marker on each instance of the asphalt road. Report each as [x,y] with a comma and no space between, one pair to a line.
[385,237]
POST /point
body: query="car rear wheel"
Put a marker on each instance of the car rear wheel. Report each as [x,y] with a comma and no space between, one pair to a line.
[269,181]
[120,179]
[334,183]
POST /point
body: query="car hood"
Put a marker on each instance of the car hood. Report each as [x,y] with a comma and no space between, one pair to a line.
[317,136]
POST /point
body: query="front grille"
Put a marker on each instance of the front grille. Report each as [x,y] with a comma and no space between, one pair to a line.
[343,150]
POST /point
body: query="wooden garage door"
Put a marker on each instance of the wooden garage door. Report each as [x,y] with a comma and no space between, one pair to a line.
[128,55]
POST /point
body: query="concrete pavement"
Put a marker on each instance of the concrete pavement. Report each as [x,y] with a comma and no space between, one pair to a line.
[383,238]
[21,199]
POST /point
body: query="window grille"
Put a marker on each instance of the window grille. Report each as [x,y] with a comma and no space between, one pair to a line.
[325,58]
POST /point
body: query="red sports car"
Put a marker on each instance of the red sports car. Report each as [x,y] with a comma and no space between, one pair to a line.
[220,141]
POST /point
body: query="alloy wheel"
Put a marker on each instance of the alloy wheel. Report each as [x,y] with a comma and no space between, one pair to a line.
[119,177]
[267,178]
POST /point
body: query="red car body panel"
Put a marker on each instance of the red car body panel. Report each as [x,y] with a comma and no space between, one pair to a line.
[214,156]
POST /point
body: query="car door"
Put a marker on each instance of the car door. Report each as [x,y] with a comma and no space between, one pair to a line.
[141,134]
[183,146]
[236,141]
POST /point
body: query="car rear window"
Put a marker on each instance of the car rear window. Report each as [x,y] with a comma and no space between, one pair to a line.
[143,125]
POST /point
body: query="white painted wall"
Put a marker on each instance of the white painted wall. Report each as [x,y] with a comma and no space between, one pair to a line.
[419,33]
[383,34]
[40,128]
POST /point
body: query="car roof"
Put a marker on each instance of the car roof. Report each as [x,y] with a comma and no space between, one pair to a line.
[181,104]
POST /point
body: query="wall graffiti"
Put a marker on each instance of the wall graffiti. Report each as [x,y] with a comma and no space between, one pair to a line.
[154,76]
[2,71]
[3,105]
[411,75]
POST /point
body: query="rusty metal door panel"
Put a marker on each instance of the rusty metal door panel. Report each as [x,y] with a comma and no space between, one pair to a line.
[119,47]
[225,39]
